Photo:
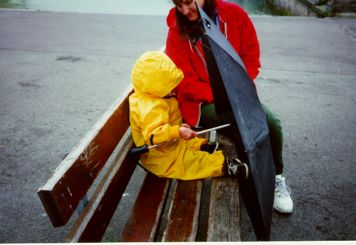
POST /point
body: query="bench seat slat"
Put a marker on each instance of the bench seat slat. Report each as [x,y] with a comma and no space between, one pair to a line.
[224,210]
[96,216]
[143,223]
[184,211]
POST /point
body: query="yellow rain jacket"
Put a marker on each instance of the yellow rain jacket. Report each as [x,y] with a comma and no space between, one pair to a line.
[155,118]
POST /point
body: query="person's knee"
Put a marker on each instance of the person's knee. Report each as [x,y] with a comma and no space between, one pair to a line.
[273,122]
[276,125]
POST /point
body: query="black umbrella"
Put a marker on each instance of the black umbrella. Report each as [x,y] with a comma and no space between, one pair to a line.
[236,100]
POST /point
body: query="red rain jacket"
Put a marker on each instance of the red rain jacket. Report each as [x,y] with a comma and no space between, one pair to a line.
[194,89]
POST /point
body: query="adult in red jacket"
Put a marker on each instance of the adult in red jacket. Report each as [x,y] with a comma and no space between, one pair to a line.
[194,93]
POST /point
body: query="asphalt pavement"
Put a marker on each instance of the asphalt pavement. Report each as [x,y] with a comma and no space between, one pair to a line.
[59,72]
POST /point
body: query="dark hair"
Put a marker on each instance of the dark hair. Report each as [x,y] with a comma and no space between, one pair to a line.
[187,27]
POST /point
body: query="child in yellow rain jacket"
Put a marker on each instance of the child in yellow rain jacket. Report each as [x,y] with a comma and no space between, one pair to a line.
[155,118]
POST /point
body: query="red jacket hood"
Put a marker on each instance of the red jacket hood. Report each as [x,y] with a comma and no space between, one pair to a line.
[171,17]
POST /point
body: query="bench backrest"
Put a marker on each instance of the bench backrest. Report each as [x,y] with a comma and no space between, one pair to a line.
[71,180]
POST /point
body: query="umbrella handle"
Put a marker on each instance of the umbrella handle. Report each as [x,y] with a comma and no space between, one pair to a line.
[139,150]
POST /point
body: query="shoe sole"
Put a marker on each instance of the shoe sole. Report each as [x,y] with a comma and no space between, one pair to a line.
[283,211]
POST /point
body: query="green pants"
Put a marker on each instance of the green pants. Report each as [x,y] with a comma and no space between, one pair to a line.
[209,119]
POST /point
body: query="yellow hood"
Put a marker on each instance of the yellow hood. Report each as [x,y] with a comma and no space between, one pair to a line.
[155,74]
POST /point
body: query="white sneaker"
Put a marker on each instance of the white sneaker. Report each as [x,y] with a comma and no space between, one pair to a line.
[282,200]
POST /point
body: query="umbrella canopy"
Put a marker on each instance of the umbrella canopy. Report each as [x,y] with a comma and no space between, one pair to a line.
[236,98]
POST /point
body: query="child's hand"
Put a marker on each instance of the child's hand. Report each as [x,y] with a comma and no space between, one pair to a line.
[185,125]
[186,132]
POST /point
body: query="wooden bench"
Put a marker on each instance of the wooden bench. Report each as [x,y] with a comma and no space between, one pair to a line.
[164,209]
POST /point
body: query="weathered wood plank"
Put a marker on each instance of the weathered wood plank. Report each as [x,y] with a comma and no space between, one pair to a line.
[143,223]
[224,208]
[224,211]
[184,211]
[96,216]
[61,194]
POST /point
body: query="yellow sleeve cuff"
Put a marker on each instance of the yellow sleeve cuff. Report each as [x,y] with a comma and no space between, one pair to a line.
[174,132]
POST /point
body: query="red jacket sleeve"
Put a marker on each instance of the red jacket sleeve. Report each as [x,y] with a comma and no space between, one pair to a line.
[249,46]
[191,88]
